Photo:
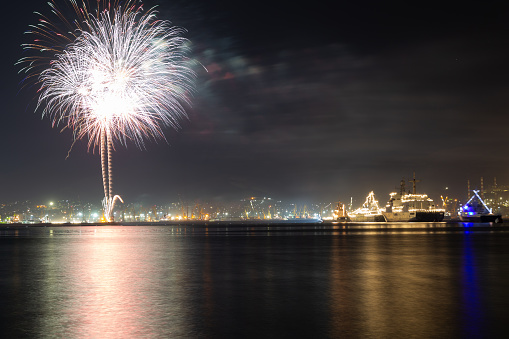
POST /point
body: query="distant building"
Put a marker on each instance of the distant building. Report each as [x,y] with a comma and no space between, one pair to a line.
[498,199]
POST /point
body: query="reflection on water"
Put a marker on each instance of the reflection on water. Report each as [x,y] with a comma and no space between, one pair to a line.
[116,281]
[469,289]
[105,286]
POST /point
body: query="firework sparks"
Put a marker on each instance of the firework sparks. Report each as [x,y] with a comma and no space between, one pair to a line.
[120,76]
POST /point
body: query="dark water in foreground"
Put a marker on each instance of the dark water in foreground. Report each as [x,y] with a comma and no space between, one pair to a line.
[257,282]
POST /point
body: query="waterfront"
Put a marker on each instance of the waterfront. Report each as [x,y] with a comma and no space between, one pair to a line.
[333,280]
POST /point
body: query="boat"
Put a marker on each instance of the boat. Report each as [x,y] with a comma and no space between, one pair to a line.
[339,214]
[475,210]
[411,207]
[369,212]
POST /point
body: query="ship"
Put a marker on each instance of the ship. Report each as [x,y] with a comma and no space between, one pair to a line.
[369,212]
[475,210]
[339,214]
[411,207]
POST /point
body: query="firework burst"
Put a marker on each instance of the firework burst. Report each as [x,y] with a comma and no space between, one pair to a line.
[121,75]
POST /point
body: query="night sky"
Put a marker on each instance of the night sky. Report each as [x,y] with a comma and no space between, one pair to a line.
[311,101]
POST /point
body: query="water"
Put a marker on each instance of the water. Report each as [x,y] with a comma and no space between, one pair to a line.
[254,281]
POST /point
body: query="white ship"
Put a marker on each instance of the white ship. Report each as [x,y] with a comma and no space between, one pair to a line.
[410,207]
[370,211]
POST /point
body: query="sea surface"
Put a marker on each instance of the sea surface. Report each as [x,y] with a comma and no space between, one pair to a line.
[255,281]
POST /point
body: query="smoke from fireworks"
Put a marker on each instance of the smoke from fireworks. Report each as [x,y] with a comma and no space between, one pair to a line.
[120,75]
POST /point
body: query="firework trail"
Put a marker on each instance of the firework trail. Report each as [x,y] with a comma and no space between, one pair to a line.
[116,75]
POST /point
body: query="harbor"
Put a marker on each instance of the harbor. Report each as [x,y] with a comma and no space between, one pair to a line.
[407,203]
[410,206]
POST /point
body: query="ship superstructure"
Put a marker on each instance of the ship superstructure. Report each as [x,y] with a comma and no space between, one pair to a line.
[411,207]
[339,214]
[370,210]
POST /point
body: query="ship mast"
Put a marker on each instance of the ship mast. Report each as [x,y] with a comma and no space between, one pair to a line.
[468,188]
[414,186]
[482,187]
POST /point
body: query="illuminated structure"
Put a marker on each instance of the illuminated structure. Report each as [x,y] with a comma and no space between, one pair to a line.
[411,206]
[339,214]
[476,210]
[119,75]
[370,210]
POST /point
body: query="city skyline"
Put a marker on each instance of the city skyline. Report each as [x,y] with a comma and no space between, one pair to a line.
[496,198]
[296,103]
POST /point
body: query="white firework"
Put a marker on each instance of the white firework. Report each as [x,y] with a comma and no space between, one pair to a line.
[123,77]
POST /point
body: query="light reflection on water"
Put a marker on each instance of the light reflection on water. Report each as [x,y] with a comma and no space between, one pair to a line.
[216,282]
